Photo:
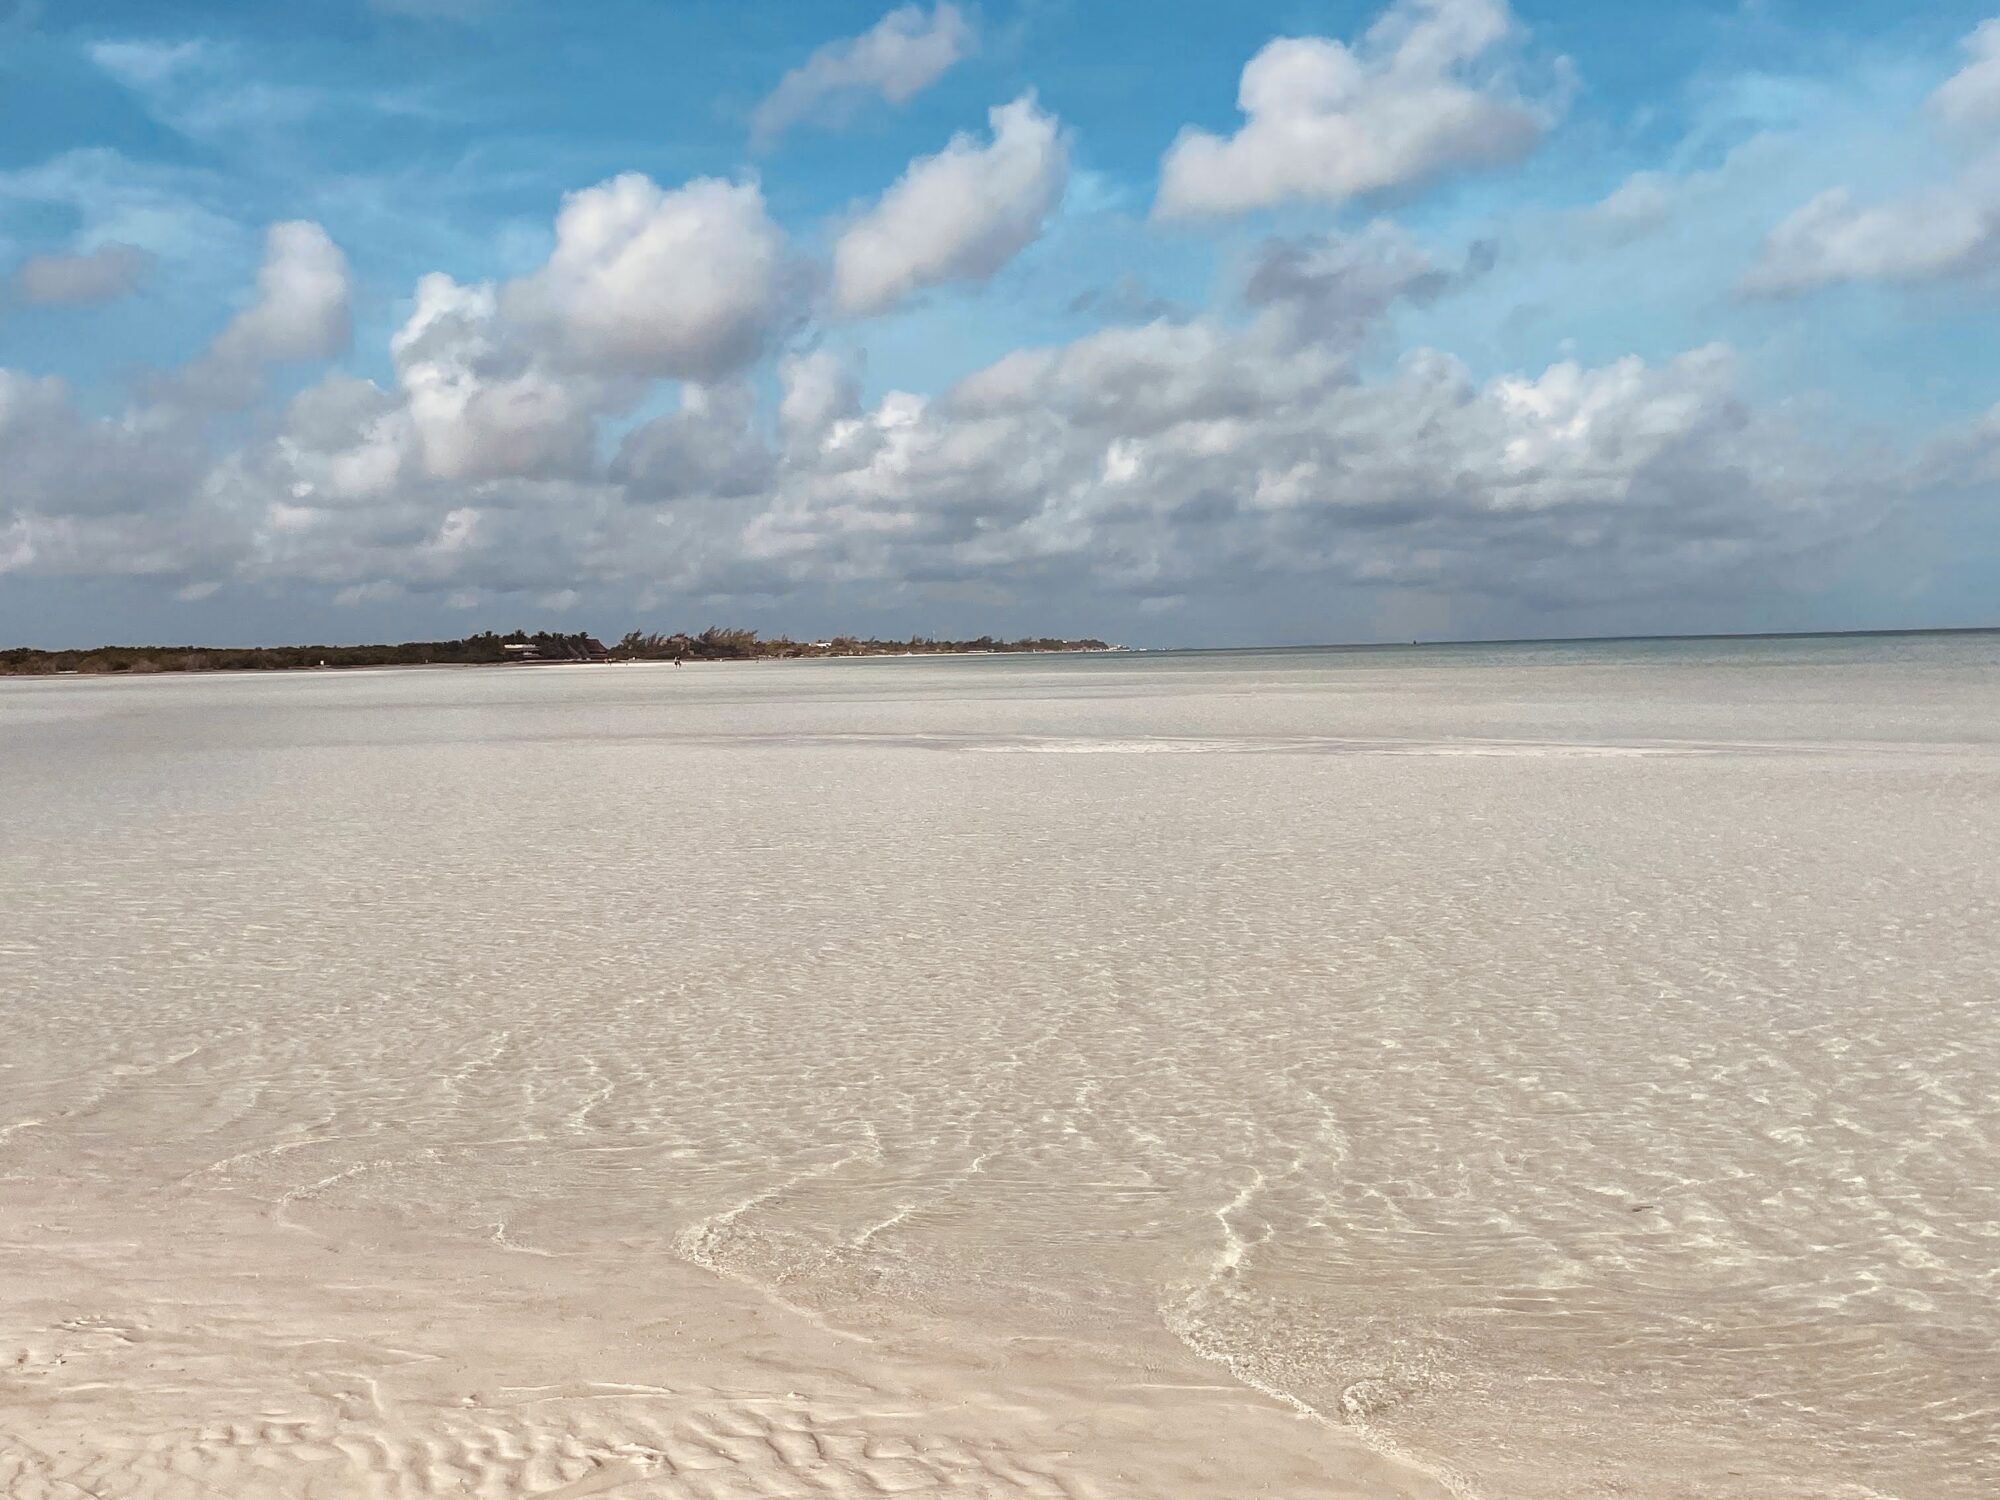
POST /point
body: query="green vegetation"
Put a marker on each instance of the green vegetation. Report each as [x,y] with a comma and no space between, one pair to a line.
[489,649]
[717,644]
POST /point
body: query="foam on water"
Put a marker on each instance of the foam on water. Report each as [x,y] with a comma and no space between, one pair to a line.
[1574,1071]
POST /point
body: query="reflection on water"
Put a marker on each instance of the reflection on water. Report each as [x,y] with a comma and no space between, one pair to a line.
[1573,1065]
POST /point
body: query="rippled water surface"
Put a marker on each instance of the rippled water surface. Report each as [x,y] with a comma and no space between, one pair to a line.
[1574,1067]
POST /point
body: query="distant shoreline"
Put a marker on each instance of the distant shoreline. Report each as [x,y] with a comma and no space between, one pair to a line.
[517,649]
[491,650]
[1614,640]
[488,666]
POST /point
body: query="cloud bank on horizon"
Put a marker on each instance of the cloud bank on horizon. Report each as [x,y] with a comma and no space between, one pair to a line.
[1455,318]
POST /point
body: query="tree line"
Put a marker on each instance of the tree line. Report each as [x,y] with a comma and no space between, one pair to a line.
[719,644]
[716,643]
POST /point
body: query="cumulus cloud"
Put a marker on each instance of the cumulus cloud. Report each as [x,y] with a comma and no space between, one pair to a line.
[685,283]
[708,449]
[631,418]
[1336,287]
[501,393]
[1970,98]
[87,279]
[1833,238]
[480,465]
[303,310]
[458,472]
[58,461]
[479,403]
[521,443]
[1177,460]
[81,494]
[1417,96]
[957,216]
[818,390]
[1948,229]
[897,58]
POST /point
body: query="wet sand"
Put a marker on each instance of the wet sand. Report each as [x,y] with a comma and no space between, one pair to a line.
[1537,1073]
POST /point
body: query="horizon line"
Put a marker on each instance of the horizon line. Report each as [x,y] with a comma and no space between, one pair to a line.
[1521,640]
[1585,640]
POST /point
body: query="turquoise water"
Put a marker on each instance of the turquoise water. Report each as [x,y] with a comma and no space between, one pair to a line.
[1570,1065]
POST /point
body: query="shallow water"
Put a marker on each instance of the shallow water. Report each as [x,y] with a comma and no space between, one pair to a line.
[1573,1068]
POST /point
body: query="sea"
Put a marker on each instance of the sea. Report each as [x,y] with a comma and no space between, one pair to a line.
[1569,1069]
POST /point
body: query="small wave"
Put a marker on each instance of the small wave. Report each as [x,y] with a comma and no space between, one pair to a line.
[1130,747]
[1315,746]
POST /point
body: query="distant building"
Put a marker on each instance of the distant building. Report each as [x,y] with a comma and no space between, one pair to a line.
[556,649]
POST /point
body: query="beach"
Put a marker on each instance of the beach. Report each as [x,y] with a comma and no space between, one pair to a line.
[1510,1071]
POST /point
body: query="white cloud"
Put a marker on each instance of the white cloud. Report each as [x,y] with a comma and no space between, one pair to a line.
[897,58]
[480,406]
[1970,98]
[1186,459]
[459,474]
[1416,97]
[86,279]
[1189,461]
[480,466]
[1833,239]
[709,448]
[143,63]
[1335,288]
[56,460]
[510,385]
[642,280]
[118,495]
[1942,230]
[303,308]
[168,210]
[346,439]
[1637,206]
[957,216]
[203,90]
[818,390]
[302,311]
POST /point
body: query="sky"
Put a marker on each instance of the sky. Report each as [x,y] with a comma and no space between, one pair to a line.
[1168,323]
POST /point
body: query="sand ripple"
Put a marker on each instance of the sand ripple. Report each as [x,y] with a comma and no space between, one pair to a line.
[1573,1078]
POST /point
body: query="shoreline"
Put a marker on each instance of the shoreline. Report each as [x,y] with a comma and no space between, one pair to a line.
[704,661]
[519,666]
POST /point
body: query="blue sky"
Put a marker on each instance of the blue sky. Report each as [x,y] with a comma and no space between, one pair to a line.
[1554,318]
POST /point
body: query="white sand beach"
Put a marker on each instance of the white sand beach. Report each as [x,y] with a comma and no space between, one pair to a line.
[1520,1072]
